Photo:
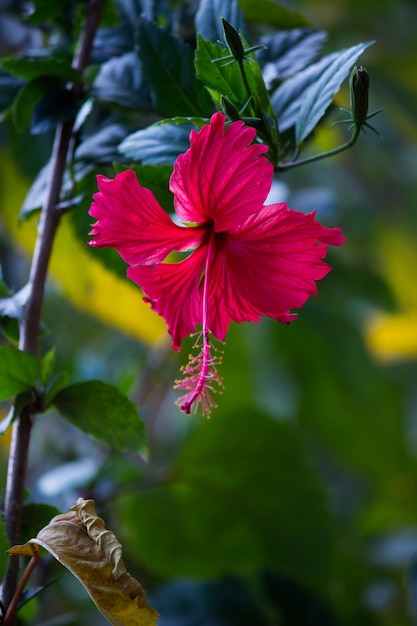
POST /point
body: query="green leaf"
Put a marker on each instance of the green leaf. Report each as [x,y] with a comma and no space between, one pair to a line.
[102,411]
[47,365]
[168,66]
[56,107]
[271,13]
[36,516]
[321,94]
[18,372]
[157,144]
[219,78]
[208,19]
[31,67]
[46,10]
[289,97]
[9,88]
[102,145]
[288,52]
[120,80]
[28,97]
[237,498]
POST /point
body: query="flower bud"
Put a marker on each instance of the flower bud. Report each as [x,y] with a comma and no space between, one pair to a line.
[359,90]
[233,40]
[230,109]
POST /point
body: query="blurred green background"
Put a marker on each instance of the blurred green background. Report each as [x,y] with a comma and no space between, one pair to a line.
[296,503]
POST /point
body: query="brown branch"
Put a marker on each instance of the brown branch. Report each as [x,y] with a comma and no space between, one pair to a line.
[48,225]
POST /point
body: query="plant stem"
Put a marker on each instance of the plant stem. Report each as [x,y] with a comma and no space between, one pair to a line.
[323,155]
[48,225]
[9,617]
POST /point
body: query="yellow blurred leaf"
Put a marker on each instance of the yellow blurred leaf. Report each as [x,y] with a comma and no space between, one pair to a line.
[80,541]
[84,280]
[393,336]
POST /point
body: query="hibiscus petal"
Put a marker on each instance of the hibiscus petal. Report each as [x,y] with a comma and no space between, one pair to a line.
[267,267]
[130,219]
[223,177]
[173,291]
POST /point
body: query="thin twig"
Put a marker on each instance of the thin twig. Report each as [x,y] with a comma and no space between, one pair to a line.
[48,225]
[9,617]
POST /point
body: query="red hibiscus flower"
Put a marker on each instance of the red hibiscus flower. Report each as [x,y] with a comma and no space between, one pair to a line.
[244,259]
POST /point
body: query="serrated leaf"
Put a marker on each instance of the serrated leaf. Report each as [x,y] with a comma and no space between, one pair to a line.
[157,144]
[80,541]
[18,372]
[320,95]
[220,79]
[168,65]
[104,412]
[288,52]
[32,67]
[120,80]
[288,99]
[101,146]
[208,19]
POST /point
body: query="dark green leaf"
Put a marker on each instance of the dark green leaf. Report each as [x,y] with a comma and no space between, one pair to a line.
[168,66]
[9,88]
[18,372]
[102,411]
[102,145]
[36,195]
[157,144]
[120,80]
[237,499]
[46,10]
[55,108]
[54,385]
[36,516]
[31,67]
[271,13]
[156,178]
[208,19]
[288,52]
[28,97]
[321,94]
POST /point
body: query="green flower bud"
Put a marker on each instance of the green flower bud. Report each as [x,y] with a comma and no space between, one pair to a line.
[233,40]
[230,109]
[359,90]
